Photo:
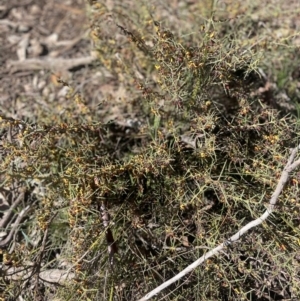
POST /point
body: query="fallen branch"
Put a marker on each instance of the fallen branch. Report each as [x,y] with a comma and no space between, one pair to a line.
[16,224]
[9,213]
[290,166]
[49,63]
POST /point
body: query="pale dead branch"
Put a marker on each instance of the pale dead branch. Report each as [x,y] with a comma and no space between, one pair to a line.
[290,166]
[8,214]
[16,224]
[111,244]
[49,63]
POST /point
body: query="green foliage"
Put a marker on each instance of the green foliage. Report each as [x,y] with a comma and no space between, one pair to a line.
[201,160]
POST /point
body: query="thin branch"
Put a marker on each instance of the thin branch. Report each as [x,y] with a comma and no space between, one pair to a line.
[49,63]
[290,166]
[7,215]
[38,264]
[111,244]
[21,215]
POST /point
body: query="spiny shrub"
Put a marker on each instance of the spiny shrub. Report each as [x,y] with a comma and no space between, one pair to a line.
[199,160]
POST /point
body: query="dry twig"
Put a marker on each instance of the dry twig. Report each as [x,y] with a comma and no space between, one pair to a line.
[8,214]
[49,63]
[111,244]
[16,224]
